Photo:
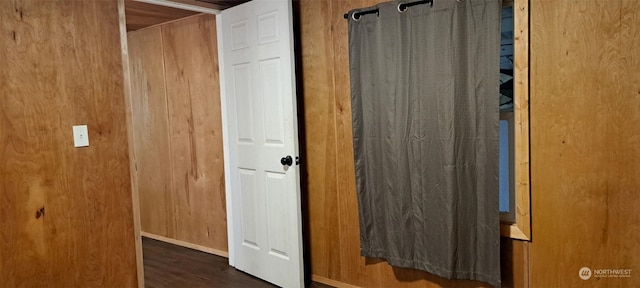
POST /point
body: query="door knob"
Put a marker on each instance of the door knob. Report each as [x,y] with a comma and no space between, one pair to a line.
[286,161]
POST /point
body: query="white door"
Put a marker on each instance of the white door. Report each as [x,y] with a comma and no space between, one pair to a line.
[258,92]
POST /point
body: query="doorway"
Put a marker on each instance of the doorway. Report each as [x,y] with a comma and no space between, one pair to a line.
[178,122]
[177,133]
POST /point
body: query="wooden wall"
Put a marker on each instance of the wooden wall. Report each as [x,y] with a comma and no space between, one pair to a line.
[332,214]
[178,133]
[585,141]
[141,14]
[66,215]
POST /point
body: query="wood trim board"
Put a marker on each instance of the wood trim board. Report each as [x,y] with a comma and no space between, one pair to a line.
[186,244]
[135,200]
[522,228]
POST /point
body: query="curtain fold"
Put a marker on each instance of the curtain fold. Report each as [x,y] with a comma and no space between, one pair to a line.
[424,86]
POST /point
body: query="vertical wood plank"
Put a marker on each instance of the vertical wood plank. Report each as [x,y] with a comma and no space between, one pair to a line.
[195,130]
[141,14]
[319,132]
[514,263]
[66,218]
[348,222]
[585,168]
[151,135]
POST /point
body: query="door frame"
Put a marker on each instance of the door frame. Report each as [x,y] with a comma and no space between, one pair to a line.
[133,173]
[130,134]
[228,184]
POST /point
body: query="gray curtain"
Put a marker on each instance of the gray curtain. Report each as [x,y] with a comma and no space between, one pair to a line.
[424,86]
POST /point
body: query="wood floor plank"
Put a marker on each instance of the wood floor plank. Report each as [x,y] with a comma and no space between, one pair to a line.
[167,265]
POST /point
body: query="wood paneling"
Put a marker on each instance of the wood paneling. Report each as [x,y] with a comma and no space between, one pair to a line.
[179,132]
[319,134]
[195,130]
[585,160]
[66,215]
[514,263]
[352,265]
[224,4]
[140,15]
[331,192]
[212,4]
[151,135]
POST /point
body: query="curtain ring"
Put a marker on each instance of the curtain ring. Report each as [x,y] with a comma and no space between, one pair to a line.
[402,7]
[354,17]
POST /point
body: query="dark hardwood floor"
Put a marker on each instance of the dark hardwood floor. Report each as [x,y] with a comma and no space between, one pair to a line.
[170,266]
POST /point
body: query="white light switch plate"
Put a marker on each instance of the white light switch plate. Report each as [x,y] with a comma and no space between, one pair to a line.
[80,136]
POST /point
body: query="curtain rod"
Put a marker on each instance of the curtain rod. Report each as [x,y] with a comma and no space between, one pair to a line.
[401,8]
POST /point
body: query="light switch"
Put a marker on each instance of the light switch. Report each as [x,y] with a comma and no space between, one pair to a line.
[80,136]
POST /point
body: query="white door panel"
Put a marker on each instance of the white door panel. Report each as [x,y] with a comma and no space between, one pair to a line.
[257,69]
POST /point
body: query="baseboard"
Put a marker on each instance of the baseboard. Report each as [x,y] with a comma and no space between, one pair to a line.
[331,282]
[186,244]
